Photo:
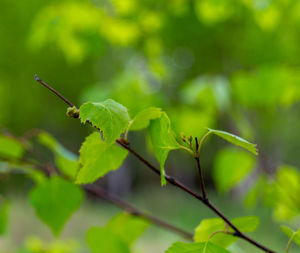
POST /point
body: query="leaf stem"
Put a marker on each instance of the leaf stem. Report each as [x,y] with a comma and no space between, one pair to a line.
[290,243]
[202,141]
[178,184]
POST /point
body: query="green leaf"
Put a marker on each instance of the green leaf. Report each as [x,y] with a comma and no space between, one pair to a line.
[142,119]
[66,161]
[163,140]
[97,158]
[246,224]
[127,227]
[11,148]
[208,227]
[231,166]
[236,140]
[203,247]
[54,201]
[3,216]
[104,240]
[295,235]
[109,116]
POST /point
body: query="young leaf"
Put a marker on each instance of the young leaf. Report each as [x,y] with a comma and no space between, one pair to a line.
[66,161]
[97,158]
[236,140]
[104,240]
[246,224]
[109,116]
[11,148]
[127,227]
[54,201]
[203,247]
[231,166]
[163,141]
[142,119]
[294,235]
[209,226]
[3,216]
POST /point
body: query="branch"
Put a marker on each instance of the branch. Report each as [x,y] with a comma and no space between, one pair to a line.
[176,183]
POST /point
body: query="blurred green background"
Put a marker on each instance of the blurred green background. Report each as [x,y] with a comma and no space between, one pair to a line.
[231,65]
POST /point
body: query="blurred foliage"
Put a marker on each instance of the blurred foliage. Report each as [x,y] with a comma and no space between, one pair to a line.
[231,65]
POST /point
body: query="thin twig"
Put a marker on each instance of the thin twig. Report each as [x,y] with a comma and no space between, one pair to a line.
[176,183]
[201,179]
[54,91]
[197,158]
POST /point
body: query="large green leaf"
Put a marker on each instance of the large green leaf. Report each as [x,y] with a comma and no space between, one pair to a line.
[104,240]
[4,206]
[66,161]
[203,247]
[208,227]
[54,201]
[236,140]
[109,116]
[231,166]
[127,227]
[142,119]
[10,148]
[294,235]
[97,158]
[163,140]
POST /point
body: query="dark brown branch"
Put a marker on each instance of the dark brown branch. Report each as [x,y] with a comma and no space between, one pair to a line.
[101,193]
[176,183]
[206,202]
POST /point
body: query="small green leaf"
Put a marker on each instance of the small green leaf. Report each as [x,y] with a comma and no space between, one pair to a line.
[11,148]
[109,116]
[127,227]
[3,216]
[236,140]
[246,224]
[97,158]
[231,166]
[203,247]
[208,227]
[54,201]
[66,161]
[142,119]
[104,240]
[163,140]
[295,235]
